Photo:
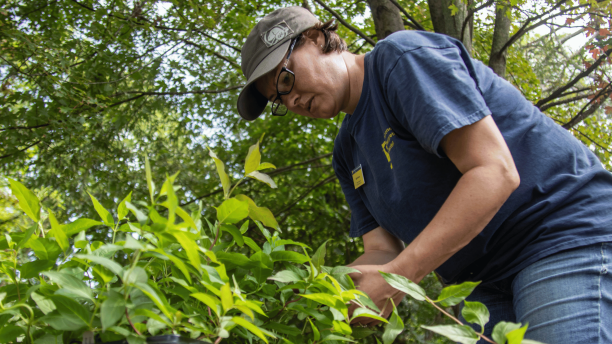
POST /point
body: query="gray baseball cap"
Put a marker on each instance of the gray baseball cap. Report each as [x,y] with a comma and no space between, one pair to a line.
[265,48]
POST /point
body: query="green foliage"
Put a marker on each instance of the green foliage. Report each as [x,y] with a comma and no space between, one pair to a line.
[168,274]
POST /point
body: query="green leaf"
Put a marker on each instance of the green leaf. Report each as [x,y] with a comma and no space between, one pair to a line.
[291,242]
[265,165]
[105,262]
[454,294]
[140,216]
[60,322]
[225,181]
[112,310]
[262,177]
[458,333]
[70,283]
[227,300]
[394,327]
[318,258]
[315,331]
[132,243]
[342,327]
[45,305]
[500,330]
[28,202]
[288,256]
[253,159]
[327,300]
[58,232]
[343,270]
[190,247]
[516,336]
[79,226]
[209,301]
[235,232]
[33,269]
[252,244]
[286,276]
[252,328]
[135,275]
[405,285]
[26,236]
[476,313]
[10,332]
[122,209]
[188,220]
[106,217]
[178,262]
[232,211]
[71,309]
[153,295]
[368,313]
[150,184]
[262,214]
[336,337]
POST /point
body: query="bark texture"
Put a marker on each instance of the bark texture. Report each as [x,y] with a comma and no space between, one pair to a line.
[387,18]
[501,34]
[452,25]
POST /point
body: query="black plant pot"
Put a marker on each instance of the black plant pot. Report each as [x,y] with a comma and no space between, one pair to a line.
[165,339]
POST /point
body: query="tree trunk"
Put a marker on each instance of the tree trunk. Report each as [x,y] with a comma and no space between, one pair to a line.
[387,18]
[452,25]
[501,33]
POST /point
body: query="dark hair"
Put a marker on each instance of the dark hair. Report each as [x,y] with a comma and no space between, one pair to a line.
[333,42]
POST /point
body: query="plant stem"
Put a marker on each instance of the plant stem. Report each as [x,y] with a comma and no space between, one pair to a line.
[216,237]
[232,189]
[456,320]
[218,340]
[130,321]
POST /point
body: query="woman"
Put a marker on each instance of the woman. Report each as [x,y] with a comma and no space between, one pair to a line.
[439,153]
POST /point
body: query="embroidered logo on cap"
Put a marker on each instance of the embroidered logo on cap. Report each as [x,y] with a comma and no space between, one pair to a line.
[276,34]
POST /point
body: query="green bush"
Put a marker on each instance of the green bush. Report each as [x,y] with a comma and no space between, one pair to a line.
[165,271]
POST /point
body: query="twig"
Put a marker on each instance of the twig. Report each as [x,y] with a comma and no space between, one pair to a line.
[127,316]
[411,18]
[345,23]
[456,320]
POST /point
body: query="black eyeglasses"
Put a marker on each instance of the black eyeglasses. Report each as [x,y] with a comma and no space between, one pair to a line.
[284,85]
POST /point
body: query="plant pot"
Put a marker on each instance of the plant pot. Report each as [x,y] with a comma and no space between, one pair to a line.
[165,339]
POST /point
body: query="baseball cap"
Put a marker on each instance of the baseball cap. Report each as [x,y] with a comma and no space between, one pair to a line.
[265,48]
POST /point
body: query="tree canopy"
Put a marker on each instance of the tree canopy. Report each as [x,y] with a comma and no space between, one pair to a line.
[90,88]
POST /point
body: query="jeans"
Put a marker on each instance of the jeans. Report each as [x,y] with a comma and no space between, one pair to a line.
[565,297]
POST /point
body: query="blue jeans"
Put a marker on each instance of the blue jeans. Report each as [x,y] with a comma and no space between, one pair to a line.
[565,297]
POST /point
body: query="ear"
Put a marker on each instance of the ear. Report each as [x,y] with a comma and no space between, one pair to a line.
[315,37]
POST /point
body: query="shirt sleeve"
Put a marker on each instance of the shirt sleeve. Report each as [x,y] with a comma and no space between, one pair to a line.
[361,220]
[431,92]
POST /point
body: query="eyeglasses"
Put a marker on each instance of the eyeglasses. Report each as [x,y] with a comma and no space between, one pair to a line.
[284,85]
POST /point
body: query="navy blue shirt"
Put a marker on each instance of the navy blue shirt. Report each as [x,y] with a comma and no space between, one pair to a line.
[418,87]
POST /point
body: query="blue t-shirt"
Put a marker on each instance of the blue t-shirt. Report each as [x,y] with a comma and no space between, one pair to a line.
[417,88]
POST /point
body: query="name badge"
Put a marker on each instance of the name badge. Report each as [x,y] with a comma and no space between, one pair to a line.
[358,177]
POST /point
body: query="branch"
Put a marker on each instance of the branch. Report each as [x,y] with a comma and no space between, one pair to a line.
[416,24]
[224,58]
[471,13]
[348,26]
[564,101]
[277,171]
[303,195]
[181,93]
[18,128]
[556,94]
[20,150]
[526,28]
[592,106]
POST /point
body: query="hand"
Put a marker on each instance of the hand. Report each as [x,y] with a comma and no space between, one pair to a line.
[372,283]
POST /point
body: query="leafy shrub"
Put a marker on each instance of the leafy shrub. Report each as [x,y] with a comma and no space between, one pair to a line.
[162,271]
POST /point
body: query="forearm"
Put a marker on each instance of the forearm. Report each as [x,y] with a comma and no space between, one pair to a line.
[476,198]
[375,258]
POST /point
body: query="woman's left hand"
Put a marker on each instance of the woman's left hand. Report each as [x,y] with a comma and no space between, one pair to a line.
[372,283]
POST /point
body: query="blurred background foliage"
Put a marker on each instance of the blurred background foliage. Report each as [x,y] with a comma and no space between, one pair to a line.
[89,88]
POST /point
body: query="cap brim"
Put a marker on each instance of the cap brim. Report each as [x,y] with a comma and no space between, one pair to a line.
[251,103]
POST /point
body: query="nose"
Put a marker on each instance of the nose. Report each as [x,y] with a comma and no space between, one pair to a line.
[294,100]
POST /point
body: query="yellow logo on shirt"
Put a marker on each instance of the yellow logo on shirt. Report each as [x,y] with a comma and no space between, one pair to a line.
[388,144]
